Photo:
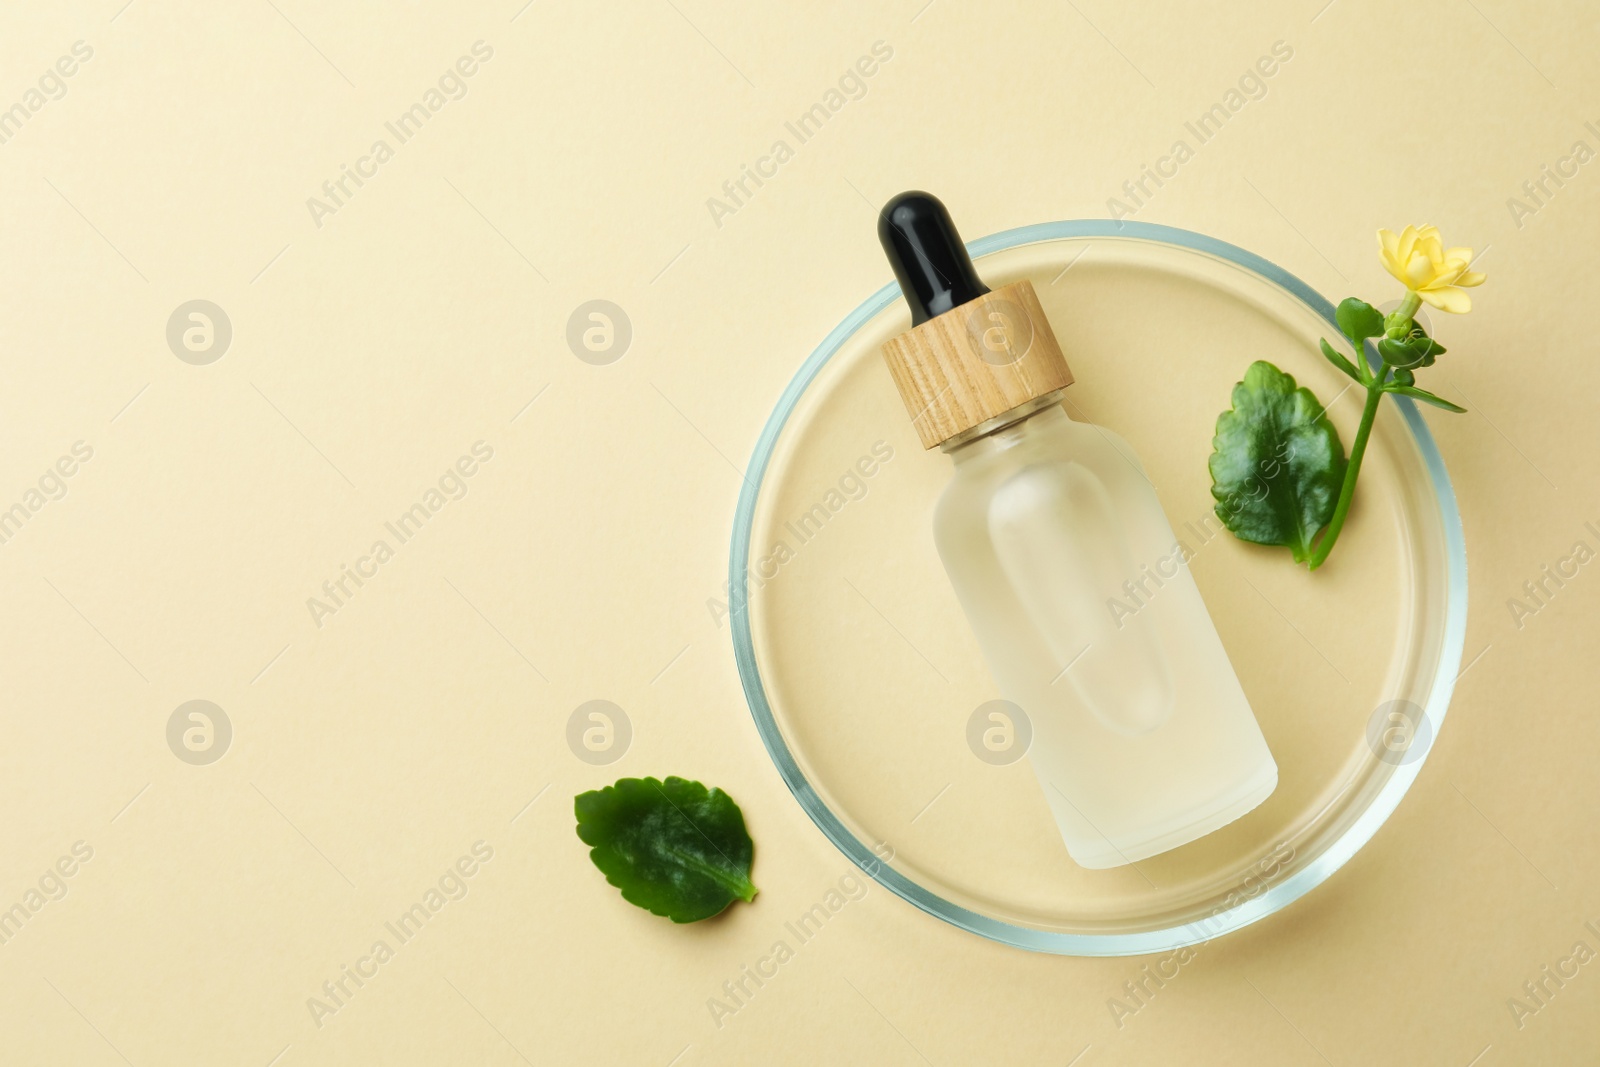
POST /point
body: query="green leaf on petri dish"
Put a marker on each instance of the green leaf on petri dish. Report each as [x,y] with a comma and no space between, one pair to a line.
[1276,462]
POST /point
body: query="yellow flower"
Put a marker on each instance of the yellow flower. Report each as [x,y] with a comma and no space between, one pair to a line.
[1437,274]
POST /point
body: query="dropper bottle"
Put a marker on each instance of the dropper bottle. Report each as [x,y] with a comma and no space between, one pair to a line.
[1066,566]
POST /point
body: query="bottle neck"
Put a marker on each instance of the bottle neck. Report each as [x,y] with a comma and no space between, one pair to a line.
[1006,429]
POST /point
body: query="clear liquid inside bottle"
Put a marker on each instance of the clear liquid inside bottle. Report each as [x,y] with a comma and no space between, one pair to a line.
[1080,596]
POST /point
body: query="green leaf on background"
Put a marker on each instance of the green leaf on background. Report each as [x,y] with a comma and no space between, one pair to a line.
[674,848]
[1337,359]
[1426,397]
[1358,320]
[1276,462]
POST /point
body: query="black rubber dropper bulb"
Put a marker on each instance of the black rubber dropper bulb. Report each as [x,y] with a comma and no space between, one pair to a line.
[932,264]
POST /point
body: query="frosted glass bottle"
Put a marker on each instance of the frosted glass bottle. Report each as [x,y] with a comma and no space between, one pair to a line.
[1067,568]
[1089,619]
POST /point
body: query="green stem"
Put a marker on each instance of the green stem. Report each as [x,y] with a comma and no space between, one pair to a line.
[1396,324]
[1348,490]
[1402,315]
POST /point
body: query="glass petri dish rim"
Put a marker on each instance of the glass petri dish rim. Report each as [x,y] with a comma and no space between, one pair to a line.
[1132,943]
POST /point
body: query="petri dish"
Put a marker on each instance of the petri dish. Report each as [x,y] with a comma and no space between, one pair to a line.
[868,688]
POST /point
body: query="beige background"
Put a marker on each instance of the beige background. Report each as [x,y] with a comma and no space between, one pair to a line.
[430,710]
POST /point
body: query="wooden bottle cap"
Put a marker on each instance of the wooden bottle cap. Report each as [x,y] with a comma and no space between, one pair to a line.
[975,362]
